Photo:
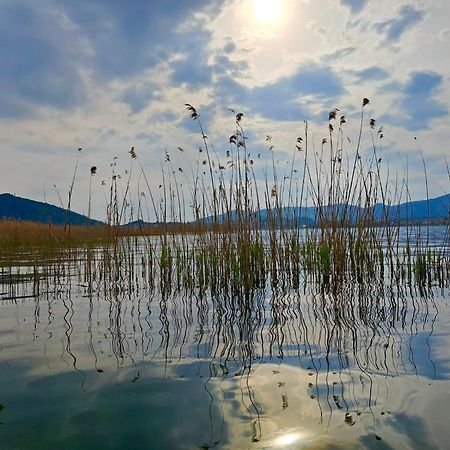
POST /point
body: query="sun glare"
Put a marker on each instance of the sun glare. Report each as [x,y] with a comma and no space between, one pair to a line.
[288,439]
[267,11]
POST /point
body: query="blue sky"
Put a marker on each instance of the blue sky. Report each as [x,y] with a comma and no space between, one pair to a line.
[106,75]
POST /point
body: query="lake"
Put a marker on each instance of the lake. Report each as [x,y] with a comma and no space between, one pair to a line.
[94,356]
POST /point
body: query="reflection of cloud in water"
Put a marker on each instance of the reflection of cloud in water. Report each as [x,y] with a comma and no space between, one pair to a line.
[288,370]
[412,418]
[154,413]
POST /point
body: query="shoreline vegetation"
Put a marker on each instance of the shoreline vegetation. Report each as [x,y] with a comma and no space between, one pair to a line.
[230,247]
[343,309]
[22,233]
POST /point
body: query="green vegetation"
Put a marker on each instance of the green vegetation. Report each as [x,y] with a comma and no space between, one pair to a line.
[229,246]
[251,279]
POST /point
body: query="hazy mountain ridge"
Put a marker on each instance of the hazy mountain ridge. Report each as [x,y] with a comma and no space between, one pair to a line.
[19,208]
[420,210]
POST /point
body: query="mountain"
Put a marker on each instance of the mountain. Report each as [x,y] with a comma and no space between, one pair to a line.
[435,209]
[18,208]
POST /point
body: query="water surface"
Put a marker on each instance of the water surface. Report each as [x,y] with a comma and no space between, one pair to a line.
[93,357]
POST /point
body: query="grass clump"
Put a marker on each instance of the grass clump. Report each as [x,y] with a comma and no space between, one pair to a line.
[324,218]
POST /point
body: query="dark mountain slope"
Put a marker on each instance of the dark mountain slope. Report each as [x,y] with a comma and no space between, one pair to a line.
[18,208]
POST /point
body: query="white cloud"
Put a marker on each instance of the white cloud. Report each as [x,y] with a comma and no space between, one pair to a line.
[113,78]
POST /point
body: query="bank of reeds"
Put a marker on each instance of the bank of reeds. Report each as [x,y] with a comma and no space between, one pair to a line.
[16,233]
[257,231]
[234,221]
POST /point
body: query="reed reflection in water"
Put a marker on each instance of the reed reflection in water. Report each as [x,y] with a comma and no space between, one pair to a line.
[91,357]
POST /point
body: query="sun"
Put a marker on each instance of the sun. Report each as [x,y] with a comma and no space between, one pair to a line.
[267,11]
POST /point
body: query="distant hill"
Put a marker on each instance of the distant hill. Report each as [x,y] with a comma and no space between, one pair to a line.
[143,224]
[422,210]
[18,208]
[434,210]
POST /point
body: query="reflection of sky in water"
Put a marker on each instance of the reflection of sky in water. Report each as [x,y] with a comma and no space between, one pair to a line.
[53,412]
[297,370]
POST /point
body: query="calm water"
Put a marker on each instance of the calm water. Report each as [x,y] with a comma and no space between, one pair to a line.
[90,364]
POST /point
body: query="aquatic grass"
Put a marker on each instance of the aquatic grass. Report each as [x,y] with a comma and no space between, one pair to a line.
[71,187]
[247,232]
[25,234]
[346,295]
[345,346]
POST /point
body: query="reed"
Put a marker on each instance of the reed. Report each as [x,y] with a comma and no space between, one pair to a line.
[245,232]
[16,235]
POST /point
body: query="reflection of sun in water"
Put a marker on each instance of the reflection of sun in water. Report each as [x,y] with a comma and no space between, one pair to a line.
[287,440]
[267,10]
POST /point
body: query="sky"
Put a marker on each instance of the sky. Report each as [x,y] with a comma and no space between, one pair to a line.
[107,75]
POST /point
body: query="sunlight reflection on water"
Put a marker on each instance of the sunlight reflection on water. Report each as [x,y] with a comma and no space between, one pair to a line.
[289,369]
[288,439]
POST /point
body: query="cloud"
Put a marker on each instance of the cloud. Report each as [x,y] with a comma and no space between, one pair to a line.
[162,116]
[393,29]
[41,60]
[74,70]
[338,55]
[230,46]
[193,72]
[149,138]
[283,99]
[371,73]
[417,102]
[138,97]
[355,5]
[55,51]
[128,38]
[197,66]
[223,65]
